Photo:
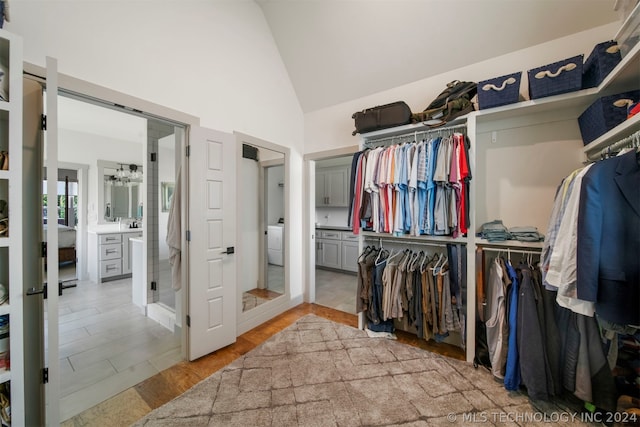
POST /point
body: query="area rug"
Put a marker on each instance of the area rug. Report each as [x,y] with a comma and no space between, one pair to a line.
[320,373]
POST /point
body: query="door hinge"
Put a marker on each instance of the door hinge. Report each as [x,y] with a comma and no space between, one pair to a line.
[154,286]
[153,157]
[188,237]
[188,150]
[45,375]
[188,320]
[44,249]
[43,122]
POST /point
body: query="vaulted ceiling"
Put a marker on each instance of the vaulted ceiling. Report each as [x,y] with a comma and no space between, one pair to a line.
[339,50]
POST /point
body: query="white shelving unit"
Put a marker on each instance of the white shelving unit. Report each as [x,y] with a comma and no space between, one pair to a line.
[11,244]
[545,134]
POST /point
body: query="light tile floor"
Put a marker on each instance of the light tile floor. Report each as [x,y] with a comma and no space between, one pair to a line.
[336,290]
[107,344]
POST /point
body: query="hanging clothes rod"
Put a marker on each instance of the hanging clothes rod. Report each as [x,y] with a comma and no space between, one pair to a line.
[444,131]
[509,250]
[632,140]
[405,241]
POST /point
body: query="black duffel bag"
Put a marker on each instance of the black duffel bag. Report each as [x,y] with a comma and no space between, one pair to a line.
[454,101]
[382,117]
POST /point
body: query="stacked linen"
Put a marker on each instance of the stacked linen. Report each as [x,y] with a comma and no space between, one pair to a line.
[526,234]
[494,231]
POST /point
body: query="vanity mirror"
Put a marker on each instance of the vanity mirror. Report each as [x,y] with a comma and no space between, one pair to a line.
[119,188]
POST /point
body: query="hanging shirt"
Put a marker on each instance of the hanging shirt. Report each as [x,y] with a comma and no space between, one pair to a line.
[562,266]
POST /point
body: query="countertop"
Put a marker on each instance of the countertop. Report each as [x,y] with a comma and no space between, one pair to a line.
[332,227]
[111,229]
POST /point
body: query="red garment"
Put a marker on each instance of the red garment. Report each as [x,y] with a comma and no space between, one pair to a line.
[357,201]
[464,175]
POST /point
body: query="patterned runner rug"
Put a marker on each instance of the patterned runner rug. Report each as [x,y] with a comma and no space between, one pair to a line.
[320,373]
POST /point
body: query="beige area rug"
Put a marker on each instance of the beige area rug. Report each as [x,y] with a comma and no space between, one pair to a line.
[320,373]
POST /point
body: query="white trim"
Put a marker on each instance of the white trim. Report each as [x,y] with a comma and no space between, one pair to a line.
[274,310]
[102,95]
[266,311]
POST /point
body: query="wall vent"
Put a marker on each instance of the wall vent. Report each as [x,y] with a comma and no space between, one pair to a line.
[249,152]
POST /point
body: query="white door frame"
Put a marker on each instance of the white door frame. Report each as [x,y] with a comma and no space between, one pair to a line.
[52,388]
[264,312]
[310,213]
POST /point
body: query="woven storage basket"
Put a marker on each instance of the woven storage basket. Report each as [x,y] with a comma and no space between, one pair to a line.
[603,115]
[604,58]
[554,79]
[499,91]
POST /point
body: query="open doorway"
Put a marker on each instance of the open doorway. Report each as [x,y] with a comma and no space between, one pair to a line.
[336,247]
[107,340]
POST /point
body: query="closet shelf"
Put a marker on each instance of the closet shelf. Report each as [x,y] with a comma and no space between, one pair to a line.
[417,239]
[510,244]
[411,128]
[5,309]
[619,132]
[5,106]
[5,242]
[623,77]
[4,174]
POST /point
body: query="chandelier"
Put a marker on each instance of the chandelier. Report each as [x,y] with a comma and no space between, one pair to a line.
[126,177]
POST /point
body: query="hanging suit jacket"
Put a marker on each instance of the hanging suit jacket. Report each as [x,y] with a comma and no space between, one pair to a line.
[608,246]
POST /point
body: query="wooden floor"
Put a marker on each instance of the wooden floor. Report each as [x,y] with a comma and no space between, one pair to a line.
[132,404]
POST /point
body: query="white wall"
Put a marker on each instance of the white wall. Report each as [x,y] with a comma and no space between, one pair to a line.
[335,217]
[215,60]
[249,217]
[275,194]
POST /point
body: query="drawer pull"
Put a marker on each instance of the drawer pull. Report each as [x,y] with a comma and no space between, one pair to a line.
[111,267]
[110,251]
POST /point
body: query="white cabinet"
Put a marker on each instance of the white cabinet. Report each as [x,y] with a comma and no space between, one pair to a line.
[337,249]
[350,253]
[332,187]
[113,254]
[328,249]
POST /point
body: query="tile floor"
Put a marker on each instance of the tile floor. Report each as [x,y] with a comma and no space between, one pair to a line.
[107,344]
[336,290]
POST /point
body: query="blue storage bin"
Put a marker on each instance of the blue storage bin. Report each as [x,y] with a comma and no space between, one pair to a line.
[602,60]
[554,79]
[605,114]
[499,91]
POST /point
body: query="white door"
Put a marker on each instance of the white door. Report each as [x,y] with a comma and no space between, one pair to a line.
[52,388]
[212,226]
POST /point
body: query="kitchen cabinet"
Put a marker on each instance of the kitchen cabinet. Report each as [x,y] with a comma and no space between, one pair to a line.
[332,187]
[337,249]
[328,249]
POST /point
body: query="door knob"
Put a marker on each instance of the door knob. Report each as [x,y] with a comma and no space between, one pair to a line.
[230,250]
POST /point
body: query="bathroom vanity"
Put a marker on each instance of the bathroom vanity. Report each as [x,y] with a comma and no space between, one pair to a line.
[110,253]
